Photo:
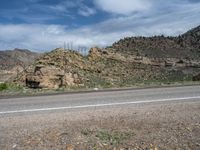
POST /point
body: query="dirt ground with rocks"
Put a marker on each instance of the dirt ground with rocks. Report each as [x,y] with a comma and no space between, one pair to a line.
[143,126]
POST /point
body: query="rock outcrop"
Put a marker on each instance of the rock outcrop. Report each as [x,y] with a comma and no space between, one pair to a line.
[53,70]
[50,77]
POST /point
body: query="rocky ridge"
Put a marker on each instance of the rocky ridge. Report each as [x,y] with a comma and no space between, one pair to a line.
[185,46]
[103,68]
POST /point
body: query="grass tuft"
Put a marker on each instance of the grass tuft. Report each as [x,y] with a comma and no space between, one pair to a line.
[113,138]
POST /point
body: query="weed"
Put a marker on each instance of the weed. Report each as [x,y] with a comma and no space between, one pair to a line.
[113,138]
[86,132]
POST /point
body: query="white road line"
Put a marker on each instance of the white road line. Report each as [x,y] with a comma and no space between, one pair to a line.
[98,105]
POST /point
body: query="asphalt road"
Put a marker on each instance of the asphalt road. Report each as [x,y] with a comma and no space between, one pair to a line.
[39,104]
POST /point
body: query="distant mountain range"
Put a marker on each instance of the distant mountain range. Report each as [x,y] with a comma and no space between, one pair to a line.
[17,57]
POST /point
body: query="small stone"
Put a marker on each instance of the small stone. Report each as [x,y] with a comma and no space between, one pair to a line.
[69,147]
[14,146]
[96,89]
[156,148]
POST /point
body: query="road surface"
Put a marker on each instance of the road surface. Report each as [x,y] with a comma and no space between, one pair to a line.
[53,103]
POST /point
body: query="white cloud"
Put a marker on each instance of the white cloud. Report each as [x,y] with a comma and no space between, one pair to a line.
[124,7]
[86,11]
[66,6]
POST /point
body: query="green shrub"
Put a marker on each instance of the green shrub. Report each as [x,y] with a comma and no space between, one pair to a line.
[10,87]
[3,86]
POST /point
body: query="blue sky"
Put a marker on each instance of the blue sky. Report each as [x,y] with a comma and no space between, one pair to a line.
[46,24]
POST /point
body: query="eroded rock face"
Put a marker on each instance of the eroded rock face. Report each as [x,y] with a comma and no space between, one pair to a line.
[50,77]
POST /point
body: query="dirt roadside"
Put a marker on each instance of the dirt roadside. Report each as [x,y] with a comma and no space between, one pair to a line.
[145,127]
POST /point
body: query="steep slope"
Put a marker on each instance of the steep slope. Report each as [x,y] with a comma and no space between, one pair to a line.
[191,39]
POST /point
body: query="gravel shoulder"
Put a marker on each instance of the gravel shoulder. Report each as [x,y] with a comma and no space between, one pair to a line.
[147,126]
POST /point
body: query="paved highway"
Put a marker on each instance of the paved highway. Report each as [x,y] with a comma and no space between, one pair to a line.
[53,103]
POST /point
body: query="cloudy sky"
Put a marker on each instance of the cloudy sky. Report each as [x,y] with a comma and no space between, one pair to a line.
[46,24]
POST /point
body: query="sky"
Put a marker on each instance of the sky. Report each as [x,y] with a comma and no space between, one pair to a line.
[43,25]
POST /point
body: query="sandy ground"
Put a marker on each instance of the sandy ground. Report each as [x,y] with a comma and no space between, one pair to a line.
[147,126]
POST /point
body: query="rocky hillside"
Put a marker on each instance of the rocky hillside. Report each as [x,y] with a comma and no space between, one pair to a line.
[103,68]
[191,39]
[186,46]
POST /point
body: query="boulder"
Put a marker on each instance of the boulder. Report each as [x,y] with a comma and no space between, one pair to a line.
[95,52]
